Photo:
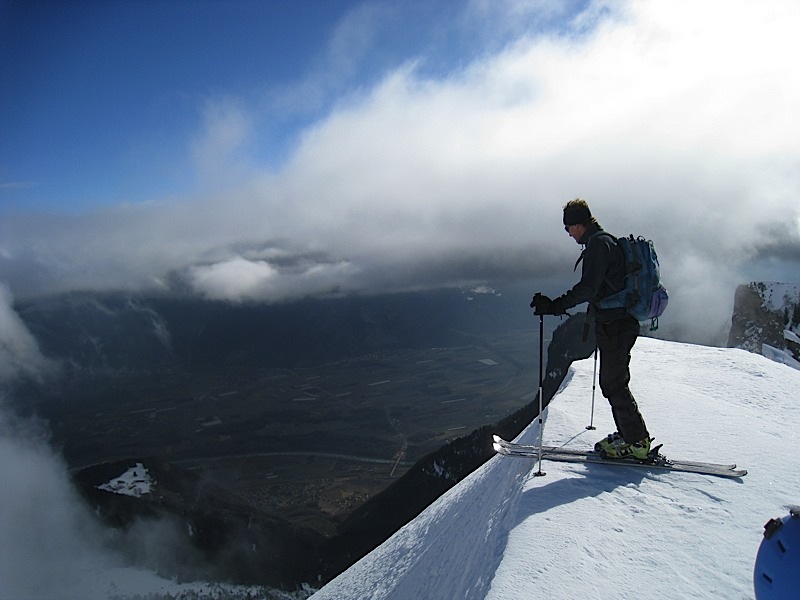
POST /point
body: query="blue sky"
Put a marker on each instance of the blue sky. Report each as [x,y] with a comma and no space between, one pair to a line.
[102,99]
[265,151]
[99,94]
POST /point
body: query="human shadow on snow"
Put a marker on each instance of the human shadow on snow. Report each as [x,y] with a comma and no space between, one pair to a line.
[566,488]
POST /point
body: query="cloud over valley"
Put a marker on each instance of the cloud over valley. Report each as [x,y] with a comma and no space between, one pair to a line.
[674,120]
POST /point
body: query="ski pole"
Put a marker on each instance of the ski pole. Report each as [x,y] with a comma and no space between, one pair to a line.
[591,426]
[539,473]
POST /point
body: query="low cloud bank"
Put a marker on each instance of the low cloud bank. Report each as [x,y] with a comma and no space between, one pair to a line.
[657,114]
[51,545]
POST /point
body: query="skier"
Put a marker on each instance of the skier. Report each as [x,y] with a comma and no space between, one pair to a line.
[602,274]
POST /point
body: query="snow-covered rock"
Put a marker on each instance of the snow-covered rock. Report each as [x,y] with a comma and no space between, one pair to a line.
[766,317]
[136,481]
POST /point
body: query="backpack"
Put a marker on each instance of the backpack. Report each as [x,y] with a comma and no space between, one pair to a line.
[644,297]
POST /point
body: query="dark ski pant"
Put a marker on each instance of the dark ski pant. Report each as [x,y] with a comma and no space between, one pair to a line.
[615,339]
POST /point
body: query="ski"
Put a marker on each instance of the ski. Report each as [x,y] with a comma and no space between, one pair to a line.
[580,451]
[657,461]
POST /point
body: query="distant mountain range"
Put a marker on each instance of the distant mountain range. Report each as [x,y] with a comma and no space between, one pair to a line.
[95,336]
[217,533]
[103,333]
[98,337]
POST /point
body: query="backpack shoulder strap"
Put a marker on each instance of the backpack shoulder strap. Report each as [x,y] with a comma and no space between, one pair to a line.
[594,235]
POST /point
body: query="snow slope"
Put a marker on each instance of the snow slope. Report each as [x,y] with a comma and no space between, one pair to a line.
[593,531]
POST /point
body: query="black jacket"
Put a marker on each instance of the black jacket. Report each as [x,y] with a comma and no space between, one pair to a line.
[602,274]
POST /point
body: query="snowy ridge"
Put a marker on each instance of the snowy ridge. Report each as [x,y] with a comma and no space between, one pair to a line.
[504,534]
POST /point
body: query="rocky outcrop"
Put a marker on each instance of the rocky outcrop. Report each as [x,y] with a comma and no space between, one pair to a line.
[762,312]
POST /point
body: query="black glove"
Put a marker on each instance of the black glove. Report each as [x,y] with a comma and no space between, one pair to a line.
[542,305]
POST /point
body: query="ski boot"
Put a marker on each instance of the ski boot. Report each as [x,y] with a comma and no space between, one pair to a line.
[619,448]
[607,441]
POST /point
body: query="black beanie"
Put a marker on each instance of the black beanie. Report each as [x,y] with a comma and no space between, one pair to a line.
[577,214]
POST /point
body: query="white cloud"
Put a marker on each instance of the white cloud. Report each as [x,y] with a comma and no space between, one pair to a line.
[243,279]
[220,150]
[42,517]
[19,351]
[232,279]
[674,119]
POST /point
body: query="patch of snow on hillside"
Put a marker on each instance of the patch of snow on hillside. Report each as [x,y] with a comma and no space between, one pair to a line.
[136,482]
